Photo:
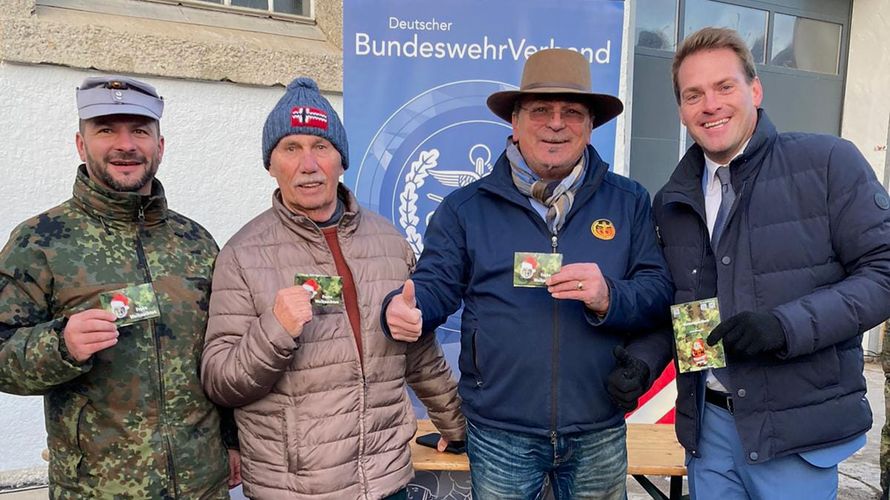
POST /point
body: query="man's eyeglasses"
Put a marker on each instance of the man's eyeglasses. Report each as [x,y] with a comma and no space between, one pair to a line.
[543,114]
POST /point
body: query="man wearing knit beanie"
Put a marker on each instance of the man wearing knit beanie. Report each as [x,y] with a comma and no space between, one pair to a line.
[318,390]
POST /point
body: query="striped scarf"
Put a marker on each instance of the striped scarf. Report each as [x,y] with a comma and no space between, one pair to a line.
[557,196]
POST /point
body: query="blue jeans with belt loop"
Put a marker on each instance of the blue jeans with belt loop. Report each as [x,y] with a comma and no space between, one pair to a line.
[507,465]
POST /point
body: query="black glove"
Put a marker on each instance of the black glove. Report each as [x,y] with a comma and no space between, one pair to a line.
[750,333]
[628,381]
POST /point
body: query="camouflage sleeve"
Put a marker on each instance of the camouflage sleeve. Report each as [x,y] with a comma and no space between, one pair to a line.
[429,376]
[245,351]
[33,359]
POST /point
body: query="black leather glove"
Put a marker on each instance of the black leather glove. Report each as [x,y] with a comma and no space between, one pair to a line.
[750,333]
[628,381]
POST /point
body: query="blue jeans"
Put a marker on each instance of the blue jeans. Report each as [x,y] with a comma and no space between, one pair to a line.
[513,466]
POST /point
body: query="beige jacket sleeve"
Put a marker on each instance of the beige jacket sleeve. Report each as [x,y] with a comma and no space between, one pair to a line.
[431,379]
[245,351]
[429,376]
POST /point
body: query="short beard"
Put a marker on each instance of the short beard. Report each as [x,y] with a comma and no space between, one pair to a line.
[104,177]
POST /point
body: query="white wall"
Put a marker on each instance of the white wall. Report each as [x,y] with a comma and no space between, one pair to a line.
[866,105]
[212,171]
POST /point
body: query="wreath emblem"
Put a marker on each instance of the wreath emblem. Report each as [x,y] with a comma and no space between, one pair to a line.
[414,180]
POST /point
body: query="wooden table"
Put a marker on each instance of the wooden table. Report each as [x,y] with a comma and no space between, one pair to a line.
[652,449]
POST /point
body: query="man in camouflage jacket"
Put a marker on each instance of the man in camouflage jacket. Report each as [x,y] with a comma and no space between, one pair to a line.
[125,413]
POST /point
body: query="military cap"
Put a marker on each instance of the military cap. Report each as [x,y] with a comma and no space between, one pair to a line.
[117,95]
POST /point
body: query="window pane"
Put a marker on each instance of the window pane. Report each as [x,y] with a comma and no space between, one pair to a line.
[806,44]
[290,7]
[750,23]
[253,4]
[657,24]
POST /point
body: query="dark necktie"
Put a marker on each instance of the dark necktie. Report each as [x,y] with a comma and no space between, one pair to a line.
[727,197]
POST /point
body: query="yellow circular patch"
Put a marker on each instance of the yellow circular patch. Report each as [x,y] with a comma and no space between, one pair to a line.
[603,229]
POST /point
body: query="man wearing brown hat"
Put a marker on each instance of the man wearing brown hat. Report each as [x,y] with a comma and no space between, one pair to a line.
[294,340]
[103,306]
[549,362]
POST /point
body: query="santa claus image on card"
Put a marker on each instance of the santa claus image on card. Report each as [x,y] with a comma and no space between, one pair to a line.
[528,267]
[699,355]
[120,305]
[312,287]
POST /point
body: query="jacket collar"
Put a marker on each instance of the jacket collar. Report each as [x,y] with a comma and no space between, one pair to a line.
[685,182]
[115,206]
[500,181]
[306,227]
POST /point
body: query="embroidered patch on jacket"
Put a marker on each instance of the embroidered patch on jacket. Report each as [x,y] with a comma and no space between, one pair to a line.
[603,229]
[308,117]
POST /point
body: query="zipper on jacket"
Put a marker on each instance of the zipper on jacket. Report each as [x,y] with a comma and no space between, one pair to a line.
[363,479]
[554,243]
[162,417]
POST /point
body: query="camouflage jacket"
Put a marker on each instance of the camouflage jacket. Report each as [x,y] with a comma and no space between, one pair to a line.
[132,421]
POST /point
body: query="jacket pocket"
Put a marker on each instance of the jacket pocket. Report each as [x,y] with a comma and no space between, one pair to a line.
[64,441]
[468,361]
[291,442]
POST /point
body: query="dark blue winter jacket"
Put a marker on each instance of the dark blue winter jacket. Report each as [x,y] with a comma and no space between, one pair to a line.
[528,362]
[808,240]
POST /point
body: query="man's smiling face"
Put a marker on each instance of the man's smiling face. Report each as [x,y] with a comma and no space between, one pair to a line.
[122,152]
[717,103]
[551,134]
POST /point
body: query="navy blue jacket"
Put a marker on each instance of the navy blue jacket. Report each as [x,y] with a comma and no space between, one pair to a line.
[528,362]
[808,240]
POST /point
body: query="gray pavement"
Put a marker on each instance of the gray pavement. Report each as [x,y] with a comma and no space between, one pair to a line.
[859,476]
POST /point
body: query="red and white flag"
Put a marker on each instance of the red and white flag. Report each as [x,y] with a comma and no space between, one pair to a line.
[301,116]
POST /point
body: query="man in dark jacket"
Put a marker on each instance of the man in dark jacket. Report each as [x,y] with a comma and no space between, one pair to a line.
[125,413]
[536,362]
[791,232]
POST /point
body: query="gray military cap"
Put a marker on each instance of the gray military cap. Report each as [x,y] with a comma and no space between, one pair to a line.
[117,95]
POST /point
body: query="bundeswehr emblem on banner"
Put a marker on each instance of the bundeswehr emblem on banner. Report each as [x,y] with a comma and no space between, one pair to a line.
[439,140]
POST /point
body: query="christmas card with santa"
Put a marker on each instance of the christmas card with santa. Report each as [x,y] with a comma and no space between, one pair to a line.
[323,290]
[693,322]
[131,304]
[531,269]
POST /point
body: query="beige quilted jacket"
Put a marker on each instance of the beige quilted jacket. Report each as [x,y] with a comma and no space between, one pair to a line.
[313,423]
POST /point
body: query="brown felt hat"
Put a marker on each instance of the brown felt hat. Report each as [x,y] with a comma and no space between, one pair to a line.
[557,71]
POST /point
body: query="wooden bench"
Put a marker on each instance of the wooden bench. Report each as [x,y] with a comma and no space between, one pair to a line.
[652,450]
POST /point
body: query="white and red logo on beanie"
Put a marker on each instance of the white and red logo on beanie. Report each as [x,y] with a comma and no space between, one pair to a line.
[302,116]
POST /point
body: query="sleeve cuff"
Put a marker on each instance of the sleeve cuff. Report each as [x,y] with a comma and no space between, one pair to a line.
[58,327]
[277,335]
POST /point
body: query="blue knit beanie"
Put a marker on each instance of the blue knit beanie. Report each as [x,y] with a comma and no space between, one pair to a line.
[303,110]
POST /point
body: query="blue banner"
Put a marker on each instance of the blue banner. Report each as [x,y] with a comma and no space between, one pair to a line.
[416,77]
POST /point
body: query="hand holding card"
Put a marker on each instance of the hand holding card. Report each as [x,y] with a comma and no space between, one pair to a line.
[693,321]
[581,281]
[89,332]
[293,309]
